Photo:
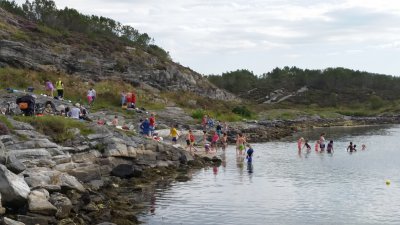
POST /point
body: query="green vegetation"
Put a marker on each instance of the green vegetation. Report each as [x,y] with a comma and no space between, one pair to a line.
[332,87]
[243,111]
[58,128]
[218,109]
[6,122]
[58,22]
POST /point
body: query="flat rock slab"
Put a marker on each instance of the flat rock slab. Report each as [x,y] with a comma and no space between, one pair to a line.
[30,153]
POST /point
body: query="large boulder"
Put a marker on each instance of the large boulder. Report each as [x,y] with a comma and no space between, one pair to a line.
[2,209]
[50,179]
[126,171]
[63,205]
[15,165]
[38,203]
[13,188]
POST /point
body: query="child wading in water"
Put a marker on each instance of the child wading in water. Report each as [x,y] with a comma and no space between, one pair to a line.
[249,154]
[299,143]
[317,146]
[214,141]
[224,141]
[306,145]
[206,145]
[329,148]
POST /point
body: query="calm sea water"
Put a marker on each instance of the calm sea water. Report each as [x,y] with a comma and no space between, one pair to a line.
[287,188]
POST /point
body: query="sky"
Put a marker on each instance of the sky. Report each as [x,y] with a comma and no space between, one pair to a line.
[216,36]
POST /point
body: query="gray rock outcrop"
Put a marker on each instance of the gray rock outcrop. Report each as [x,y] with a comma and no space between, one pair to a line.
[38,203]
[13,188]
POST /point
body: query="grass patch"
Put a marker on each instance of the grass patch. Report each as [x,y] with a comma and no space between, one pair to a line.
[217,109]
[6,122]
[49,31]
[58,128]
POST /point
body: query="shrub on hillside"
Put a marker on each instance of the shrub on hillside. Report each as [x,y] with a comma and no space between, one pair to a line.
[242,110]
[376,102]
[198,114]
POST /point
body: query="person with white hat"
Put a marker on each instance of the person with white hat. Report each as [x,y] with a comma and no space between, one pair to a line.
[75,112]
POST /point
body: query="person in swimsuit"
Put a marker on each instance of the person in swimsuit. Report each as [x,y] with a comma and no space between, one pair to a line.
[300,143]
[322,142]
[317,145]
[350,148]
[241,140]
[190,139]
[329,148]
[214,141]
[306,145]
[224,140]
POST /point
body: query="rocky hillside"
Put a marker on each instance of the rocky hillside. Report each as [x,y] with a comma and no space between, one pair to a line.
[26,44]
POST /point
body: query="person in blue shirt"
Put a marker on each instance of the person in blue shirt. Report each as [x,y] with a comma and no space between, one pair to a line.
[145,126]
[249,155]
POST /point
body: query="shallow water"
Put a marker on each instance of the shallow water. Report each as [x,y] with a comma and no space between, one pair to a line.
[287,188]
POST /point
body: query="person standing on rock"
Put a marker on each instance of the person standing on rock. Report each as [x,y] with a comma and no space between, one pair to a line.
[219,129]
[190,139]
[152,121]
[49,87]
[145,126]
[204,122]
[60,89]
[174,134]
[123,99]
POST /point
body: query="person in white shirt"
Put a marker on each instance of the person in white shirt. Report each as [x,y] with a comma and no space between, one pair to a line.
[75,112]
[91,96]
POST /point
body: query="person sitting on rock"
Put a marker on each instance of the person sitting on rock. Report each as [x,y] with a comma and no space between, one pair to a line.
[75,112]
[114,122]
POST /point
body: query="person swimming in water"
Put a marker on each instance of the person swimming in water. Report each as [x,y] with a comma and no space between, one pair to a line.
[350,148]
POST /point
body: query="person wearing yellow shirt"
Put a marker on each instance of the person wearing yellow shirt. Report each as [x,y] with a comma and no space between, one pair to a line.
[174,134]
[60,88]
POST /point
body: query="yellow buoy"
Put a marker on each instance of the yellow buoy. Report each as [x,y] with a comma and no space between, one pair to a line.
[387,182]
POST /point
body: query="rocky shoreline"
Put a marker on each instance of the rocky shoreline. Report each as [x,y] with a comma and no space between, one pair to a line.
[109,176]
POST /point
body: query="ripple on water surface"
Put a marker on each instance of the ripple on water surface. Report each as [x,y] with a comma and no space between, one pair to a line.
[290,188]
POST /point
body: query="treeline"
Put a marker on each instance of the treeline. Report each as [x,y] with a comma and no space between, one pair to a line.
[45,12]
[328,86]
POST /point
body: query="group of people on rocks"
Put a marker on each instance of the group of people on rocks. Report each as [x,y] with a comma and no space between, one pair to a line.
[59,87]
[320,145]
[128,100]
